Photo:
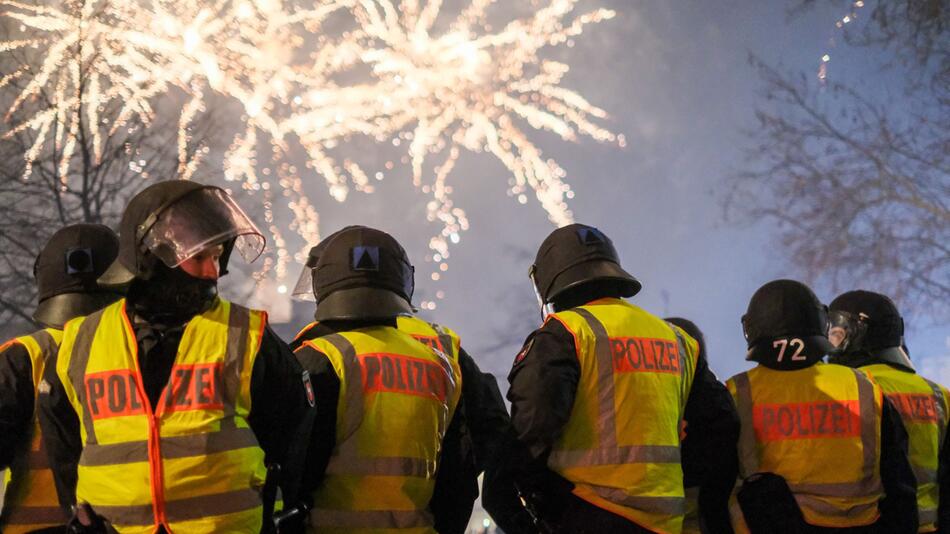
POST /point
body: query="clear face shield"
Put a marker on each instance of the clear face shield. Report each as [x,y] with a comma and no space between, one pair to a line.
[304,288]
[846,329]
[546,308]
[199,220]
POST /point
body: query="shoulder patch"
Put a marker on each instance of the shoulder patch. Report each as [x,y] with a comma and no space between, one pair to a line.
[524,351]
[308,387]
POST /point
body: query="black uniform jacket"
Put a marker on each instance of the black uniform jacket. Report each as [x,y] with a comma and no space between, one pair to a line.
[456,486]
[278,400]
[544,381]
[16,402]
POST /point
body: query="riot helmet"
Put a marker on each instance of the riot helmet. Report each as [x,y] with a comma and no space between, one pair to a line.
[362,273]
[574,255]
[786,325]
[67,270]
[690,328]
[866,327]
[303,290]
[172,221]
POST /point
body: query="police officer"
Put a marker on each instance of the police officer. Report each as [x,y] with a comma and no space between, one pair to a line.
[868,331]
[698,454]
[598,395]
[485,413]
[65,272]
[163,407]
[394,422]
[820,448]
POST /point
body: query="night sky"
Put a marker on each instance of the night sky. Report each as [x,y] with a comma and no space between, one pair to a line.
[675,78]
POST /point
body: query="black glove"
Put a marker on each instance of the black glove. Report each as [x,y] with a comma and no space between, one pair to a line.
[769,506]
[86,521]
[292,520]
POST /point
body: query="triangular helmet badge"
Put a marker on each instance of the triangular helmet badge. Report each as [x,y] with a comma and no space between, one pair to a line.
[365,258]
[590,236]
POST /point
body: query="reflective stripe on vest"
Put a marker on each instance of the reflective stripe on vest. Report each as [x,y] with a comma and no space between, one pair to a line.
[431,334]
[30,501]
[396,400]
[922,405]
[609,466]
[812,407]
[201,461]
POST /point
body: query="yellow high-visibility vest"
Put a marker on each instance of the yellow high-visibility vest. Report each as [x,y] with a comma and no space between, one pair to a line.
[396,400]
[923,408]
[190,463]
[621,445]
[434,335]
[30,501]
[819,428]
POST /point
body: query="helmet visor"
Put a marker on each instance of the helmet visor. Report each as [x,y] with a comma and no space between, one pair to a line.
[304,288]
[546,308]
[198,220]
[843,328]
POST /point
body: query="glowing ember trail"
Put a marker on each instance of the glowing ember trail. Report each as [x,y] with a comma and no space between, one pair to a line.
[469,84]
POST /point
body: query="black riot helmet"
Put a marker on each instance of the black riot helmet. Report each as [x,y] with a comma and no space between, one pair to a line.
[67,270]
[574,255]
[362,273]
[304,289]
[694,332]
[867,328]
[786,324]
[173,220]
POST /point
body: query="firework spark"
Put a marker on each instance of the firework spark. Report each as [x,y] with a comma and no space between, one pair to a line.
[468,87]
[435,89]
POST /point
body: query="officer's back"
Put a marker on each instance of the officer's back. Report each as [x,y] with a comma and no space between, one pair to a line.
[598,395]
[868,331]
[396,398]
[819,446]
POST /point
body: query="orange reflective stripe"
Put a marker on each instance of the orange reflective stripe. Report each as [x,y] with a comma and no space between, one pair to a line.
[606,416]
[304,330]
[748,455]
[383,466]
[378,519]
[655,454]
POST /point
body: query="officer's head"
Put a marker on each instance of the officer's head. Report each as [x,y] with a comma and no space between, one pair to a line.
[181,224]
[66,273]
[690,328]
[866,327]
[786,325]
[362,273]
[575,256]
[304,290]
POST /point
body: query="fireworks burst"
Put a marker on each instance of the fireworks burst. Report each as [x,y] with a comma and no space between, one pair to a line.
[434,84]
